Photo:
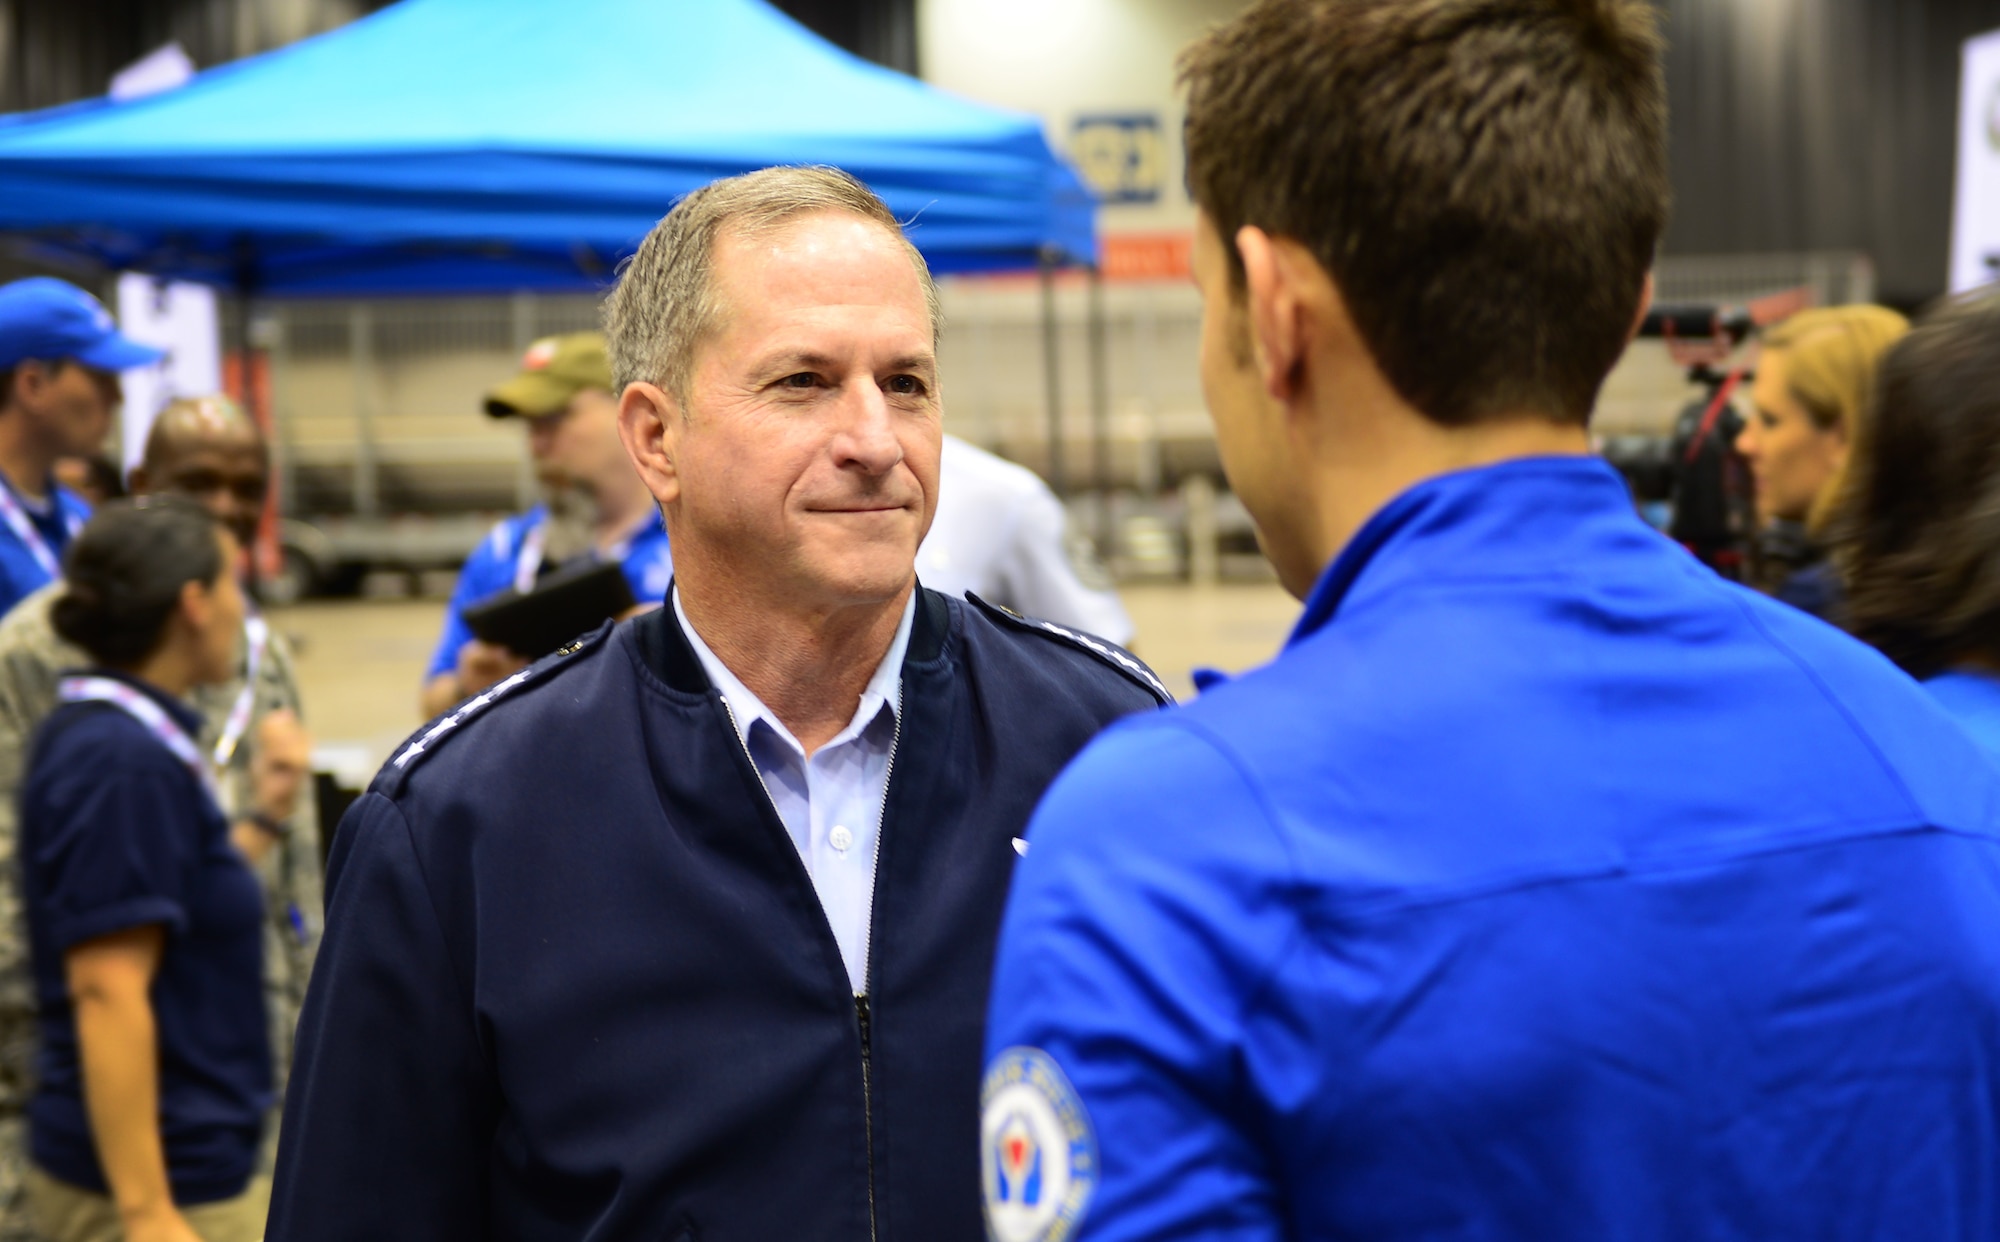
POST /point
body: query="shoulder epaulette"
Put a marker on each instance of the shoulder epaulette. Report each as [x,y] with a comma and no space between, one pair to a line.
[427,739]
[1105,653]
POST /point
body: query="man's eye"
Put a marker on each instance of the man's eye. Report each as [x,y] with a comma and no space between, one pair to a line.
[804,379]
[906,385]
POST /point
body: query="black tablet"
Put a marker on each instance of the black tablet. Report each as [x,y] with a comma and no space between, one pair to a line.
[571,601]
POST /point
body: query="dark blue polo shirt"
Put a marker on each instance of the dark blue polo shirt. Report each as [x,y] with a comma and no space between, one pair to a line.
[117,833]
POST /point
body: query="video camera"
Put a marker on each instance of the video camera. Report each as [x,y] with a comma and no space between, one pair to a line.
[1692,482]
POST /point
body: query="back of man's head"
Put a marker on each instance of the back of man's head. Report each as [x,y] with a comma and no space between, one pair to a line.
[1484,180]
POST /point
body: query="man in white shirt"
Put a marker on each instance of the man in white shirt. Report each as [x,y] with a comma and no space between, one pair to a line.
[1002,535]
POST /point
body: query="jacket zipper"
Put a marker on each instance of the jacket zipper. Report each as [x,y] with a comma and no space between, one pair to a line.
[868,966]
[861,1014]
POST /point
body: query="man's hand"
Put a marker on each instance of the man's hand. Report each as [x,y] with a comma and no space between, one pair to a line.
[482,664]
[161,1225]
[278,765]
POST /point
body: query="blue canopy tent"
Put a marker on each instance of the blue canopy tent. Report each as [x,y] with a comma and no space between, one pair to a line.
[455,146]
[468,146]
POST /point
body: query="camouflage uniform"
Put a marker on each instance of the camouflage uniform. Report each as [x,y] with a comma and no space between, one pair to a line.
[31,656]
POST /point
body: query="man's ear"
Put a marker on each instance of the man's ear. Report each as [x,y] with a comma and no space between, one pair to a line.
[1272,294]
[30,377]
[194,604]
[650,425]
[1646,292]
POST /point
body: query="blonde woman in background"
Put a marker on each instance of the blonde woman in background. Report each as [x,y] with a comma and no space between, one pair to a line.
[1815,377]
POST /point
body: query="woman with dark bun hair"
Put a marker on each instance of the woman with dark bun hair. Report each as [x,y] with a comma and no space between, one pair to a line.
[1918,538]
[145,923]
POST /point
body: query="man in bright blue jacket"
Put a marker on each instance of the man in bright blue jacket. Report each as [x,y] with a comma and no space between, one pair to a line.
[1545,887]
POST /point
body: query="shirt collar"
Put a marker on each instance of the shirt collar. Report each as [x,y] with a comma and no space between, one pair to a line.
[1515,517]
[42,506]
[883,692]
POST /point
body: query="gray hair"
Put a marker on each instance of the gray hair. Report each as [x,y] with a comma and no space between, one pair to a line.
[665,303]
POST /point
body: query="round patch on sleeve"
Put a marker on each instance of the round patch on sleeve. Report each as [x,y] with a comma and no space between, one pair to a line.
[1038,1157]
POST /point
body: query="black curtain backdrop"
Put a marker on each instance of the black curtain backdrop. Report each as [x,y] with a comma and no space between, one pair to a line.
[1819,125]
[53,51]
[884,31]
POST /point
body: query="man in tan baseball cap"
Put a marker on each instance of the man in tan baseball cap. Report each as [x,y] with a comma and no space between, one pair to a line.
[595,506]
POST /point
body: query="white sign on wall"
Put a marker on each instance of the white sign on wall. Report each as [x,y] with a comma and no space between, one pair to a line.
[1975,228]
[180,319]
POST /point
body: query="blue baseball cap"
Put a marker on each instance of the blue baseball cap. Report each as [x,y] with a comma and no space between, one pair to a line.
[49,319]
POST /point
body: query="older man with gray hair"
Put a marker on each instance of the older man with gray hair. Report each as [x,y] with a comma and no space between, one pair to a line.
[684,932]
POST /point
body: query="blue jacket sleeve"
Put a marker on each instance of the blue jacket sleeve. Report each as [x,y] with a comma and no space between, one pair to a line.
[487,570]
[1149,910]
[390,1111]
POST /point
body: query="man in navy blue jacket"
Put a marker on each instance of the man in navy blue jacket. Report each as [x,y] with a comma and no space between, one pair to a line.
[1546,887]
[685,932]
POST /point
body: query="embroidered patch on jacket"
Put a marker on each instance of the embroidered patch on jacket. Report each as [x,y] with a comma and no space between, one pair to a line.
[1038,1156]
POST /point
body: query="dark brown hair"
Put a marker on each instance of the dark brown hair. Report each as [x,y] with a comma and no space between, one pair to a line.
[1485,180]
[123,574]
[1918,533]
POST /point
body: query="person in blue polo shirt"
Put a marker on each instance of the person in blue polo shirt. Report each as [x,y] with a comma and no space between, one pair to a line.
[60,355]
[1546,886]
[597,507]
[146,924]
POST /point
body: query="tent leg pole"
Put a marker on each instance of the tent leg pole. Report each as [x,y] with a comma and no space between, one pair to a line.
[1052,377]
[361,349]
[1100,415]
[245,371]
[284,473]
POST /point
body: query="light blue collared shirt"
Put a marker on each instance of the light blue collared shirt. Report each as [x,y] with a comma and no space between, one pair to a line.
[831,803]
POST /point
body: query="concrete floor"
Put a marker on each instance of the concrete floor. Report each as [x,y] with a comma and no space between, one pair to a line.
[360,661]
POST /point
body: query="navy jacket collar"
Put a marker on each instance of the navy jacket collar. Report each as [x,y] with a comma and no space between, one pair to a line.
[1514,517]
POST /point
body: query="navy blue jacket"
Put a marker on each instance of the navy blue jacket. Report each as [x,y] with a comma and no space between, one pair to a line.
[576,982]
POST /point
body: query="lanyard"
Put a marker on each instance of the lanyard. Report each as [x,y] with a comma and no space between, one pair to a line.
[528,562]
[256,637]
[155,720]
[17,521]
[149,714]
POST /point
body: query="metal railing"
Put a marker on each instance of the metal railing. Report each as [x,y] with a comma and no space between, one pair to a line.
[376,402]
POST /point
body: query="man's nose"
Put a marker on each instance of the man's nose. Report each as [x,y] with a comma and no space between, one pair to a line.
[867,436]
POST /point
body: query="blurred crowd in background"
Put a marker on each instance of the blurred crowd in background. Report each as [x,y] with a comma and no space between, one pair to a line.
[1832,442]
